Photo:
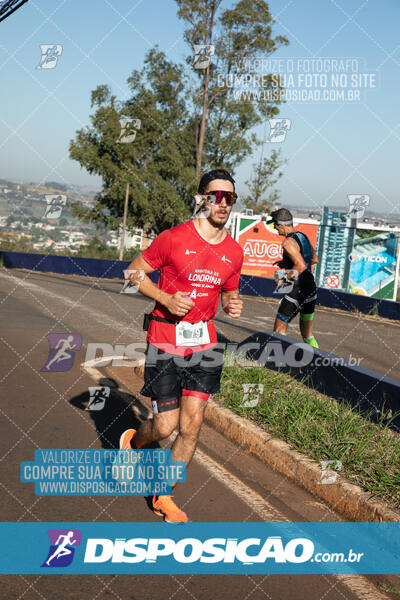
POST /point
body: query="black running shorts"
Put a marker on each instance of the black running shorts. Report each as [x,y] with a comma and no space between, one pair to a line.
[168,377]
[301,299]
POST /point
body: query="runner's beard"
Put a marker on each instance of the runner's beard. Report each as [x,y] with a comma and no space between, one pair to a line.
[218,221]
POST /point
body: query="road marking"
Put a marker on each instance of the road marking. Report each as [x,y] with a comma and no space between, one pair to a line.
[266,318]
[98,316]
[251,498]
[248,320]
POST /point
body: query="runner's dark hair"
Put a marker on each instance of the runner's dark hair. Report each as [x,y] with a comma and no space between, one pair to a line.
[211,175]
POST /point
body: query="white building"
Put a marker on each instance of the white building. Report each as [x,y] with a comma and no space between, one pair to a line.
[135,239]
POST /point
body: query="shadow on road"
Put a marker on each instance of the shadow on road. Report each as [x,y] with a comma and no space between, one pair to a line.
[116,415]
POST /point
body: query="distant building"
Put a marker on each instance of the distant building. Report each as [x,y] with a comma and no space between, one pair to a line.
[136,239]
[334,244]
[113,242]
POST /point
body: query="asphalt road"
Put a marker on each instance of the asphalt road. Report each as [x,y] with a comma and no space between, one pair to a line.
[46,410]
[373,341]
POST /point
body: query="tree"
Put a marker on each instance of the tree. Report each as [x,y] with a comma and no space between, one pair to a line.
[222,116]
[186,122]
[266,174]
[159,164]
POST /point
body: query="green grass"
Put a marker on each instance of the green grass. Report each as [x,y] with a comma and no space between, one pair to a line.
[389,589]
[320,428]
[374,310]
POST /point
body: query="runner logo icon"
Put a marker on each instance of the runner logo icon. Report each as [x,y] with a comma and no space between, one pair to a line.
[278,130]
[62,351]
[55,205]
[129,127]
[202,55]
[329,469]
[284,285]
[98,397]
[62,547]
[357,205]
[251,394]
[50,55]
[133,279]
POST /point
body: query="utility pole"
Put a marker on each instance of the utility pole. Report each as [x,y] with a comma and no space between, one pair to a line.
[122,246]
[206,84]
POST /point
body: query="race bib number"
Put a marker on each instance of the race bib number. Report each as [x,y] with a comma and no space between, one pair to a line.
[192,334]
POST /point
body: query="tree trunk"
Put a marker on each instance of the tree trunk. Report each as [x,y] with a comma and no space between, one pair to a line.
[203,124]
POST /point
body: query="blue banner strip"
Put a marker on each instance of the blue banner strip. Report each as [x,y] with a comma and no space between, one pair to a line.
[204,548]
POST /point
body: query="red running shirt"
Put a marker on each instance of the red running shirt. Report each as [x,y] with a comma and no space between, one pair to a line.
[188,263]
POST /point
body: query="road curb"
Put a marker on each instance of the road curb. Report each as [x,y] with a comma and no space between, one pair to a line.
[344,497]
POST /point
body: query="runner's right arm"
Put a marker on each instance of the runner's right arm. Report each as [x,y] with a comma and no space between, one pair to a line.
[177,303]
[293,249]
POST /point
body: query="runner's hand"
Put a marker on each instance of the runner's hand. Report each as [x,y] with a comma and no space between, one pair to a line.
[233,308]
[178,304]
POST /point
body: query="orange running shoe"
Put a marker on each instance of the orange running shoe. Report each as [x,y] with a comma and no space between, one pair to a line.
[126,439]
[165,507]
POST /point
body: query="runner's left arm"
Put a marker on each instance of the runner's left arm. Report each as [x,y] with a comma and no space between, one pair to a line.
[314,256]
[232,304]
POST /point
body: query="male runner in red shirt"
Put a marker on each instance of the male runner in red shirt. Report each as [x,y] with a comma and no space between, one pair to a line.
[199,262]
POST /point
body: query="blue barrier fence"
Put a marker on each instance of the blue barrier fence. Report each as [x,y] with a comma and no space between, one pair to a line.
[249,285]
[328,373]
[68,265]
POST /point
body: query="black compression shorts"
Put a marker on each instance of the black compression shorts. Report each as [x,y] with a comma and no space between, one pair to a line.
[168,377]
[301,299]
